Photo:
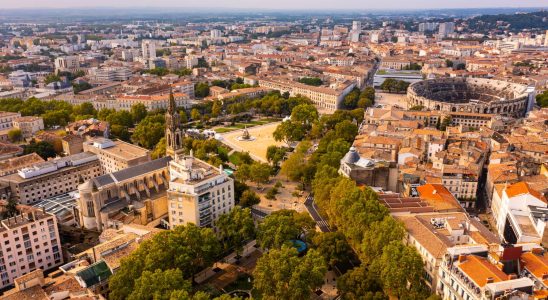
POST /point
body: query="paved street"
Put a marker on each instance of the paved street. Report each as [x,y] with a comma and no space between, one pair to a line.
[313,211]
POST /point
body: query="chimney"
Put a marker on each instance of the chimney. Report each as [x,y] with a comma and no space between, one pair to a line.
[544,276]
[462,258]
[490,279]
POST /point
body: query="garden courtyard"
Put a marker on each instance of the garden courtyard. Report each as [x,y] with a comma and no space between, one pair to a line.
[257,147]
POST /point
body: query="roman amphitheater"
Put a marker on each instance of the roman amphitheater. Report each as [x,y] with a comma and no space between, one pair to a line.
[474,95]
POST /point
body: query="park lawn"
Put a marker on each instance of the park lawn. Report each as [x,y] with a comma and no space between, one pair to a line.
[225,129]
[240,284]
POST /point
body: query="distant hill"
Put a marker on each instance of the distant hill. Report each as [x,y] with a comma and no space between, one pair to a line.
[514,22]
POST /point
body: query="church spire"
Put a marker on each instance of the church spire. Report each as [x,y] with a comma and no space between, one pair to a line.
[171,105]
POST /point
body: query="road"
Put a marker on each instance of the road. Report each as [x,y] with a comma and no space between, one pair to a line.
[313,211]
[258,213]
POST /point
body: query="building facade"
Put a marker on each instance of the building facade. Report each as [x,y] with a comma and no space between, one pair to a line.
[29,241]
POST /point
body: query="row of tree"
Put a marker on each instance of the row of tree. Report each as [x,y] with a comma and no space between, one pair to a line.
[388,266]
[394,86]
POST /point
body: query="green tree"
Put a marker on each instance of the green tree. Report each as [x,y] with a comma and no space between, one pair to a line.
[121,117]
[542,99]
[281,226]
[185,248]
[379,236]
[352,98]
[367,98]
[195,114]
[84,109]
[43,148]
[159,150]
[15,135]
[400,270]
[216,109]
[314,81]
[304,114]
[275,154]
[346,130]
[359,283]
[281,274]
[332,246]
[243,172]
[120,132]
[201,89]
[260,173]
[52,78]
[138,112]
[235,228]
[447,120]
[159,285]
[11,208]
[149,131]
[289,131]
[249,198]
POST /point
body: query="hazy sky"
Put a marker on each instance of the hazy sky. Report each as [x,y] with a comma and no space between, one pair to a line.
[276,4]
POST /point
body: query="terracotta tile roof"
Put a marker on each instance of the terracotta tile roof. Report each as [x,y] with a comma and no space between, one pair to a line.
[522,188]
[438,196]
[479,269]
[536,264]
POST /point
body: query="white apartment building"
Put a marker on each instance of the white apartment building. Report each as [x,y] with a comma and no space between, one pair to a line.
[446,29]
[51,178]
[29,241]
[113,74]
[28,125]
[148,48]
[67,63]
[185,87]
[198,192]
[519,213]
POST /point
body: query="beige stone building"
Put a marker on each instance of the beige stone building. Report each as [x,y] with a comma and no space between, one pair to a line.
[116,155]
[28,125]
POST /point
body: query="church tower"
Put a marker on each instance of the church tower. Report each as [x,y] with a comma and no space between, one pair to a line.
[174,134]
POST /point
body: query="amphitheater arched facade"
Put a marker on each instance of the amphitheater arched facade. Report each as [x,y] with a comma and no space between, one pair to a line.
[473,95]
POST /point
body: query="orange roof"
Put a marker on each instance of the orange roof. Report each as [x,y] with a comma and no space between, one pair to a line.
[438,196]
[479,269]
[521,188]
[536,264]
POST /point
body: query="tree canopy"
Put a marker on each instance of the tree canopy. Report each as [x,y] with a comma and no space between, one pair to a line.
[280,274]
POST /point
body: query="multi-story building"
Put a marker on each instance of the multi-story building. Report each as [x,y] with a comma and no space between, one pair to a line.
[433,233]
[116,155]
[198,192]
[67,63]
[446,29]
[12,165]
[470,273]
[520,213]
[51,178]
[152,102]
[149,49]
[185,87]
[113,74]
[6,119]
[30,241]
[325,99]
[28,125]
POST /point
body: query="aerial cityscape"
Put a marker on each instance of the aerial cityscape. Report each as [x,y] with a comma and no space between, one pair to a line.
[216,150]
